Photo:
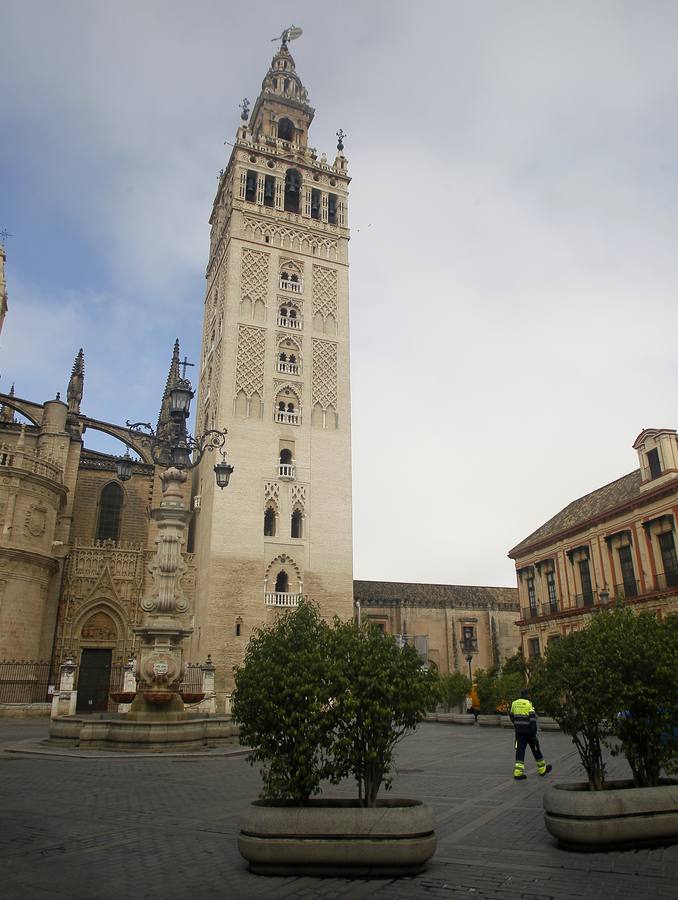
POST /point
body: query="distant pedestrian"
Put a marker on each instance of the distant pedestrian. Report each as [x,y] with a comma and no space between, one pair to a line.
[524,718]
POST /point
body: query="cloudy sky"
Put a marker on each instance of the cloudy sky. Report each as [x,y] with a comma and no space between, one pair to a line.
[514,214]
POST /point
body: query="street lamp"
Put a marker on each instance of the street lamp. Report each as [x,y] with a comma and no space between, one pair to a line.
[171,445]
[469,645]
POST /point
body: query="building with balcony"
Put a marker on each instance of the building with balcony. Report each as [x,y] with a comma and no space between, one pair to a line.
[618,542]
[447,623]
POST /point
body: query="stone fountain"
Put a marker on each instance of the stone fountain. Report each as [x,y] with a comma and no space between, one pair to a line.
[157,719]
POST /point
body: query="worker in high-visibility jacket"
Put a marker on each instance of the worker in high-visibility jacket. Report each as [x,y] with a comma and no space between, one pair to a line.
[524,718]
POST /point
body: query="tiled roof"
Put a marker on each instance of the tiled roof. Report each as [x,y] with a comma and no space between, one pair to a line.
[585,508]
[463,596]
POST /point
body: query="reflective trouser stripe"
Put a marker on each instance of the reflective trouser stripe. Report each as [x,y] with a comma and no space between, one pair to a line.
[541,765]
[518,769]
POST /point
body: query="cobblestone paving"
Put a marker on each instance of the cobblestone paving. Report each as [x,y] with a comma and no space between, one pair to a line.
[104,829]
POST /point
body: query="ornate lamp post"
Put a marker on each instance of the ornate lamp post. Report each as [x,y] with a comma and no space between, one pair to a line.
[160,666]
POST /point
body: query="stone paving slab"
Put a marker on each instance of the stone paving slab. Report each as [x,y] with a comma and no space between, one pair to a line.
[108,827]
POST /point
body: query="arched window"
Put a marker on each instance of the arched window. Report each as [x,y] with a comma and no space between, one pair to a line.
[251,186]
[283,357]
[286,457]
[110,509]
[281,406]
[269,522]
[286,127]
[238,627]
[293,314]
[290,407]
[297,521]
[282,582]
[292,189]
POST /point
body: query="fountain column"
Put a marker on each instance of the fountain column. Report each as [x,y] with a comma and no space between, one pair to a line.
[160,665]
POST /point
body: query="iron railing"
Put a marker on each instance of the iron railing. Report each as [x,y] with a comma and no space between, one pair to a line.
[22,681]
[585,601]
[550,608]
[529,612]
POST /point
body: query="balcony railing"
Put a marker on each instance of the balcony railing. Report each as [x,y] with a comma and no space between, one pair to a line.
[665,581]
[584,601]
[275,598]
[550,608]
[295,322]
[287,470]
[20,459]
[287,418]
[529,612]
[289,368]
[296,287]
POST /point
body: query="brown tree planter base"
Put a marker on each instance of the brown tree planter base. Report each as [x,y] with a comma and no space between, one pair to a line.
[619,816]
[334,837]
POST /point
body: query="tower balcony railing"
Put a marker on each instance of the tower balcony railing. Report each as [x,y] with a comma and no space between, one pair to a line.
[17,458]
[295,322]
[585,600]
[294,287]
[287,418]
[529,612]
[289,368]
[287,470]
[278,598]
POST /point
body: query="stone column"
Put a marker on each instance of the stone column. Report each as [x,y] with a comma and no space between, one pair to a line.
[161,665]
[209,702]
[65,699]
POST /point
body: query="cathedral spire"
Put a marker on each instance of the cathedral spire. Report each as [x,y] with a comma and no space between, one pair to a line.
[172,377]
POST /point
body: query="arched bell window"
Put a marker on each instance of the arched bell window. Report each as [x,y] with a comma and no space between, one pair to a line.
[292,190]
[110,512]
[286,130]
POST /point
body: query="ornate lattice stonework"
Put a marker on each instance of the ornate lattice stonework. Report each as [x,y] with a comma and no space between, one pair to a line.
[254,274]
[299,495]
[289,238]
[324,384]
[271,492]
[249,372]
[324,291]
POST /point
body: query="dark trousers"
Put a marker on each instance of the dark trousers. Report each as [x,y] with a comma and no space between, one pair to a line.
[527,740]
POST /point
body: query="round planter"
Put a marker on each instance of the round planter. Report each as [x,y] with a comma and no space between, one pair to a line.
[621,815]
[335,837]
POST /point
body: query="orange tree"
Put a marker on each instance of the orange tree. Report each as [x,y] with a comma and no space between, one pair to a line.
[383,693]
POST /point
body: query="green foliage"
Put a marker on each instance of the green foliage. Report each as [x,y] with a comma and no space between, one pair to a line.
[507,688]
[282,704]
[320,703]
[615,678]
[454,688]
[515,665]
[384,693]
[641,655]
[485,683]
[571,685]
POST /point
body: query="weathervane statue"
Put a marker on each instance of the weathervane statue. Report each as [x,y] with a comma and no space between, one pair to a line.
[289,34]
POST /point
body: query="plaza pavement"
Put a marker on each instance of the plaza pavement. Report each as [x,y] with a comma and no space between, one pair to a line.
[102,828]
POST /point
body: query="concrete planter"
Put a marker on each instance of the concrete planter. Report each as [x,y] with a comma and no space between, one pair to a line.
[335,837]
[491,719]
[621,815]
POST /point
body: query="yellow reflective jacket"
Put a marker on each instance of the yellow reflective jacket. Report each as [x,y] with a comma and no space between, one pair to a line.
[524,716]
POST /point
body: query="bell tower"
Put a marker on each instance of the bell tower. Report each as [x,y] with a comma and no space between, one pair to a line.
[274,371]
